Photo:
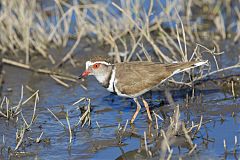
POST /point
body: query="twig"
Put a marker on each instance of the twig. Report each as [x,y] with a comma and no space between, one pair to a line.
[43,71]
[36,93]
[155,47]
[98,124]
[194,147]
[78,101]
[39,138]
[125,127]
[56,118]
[145,142]
[233,91]
[22,132]
[69,128]
[70,53]
[166,141]
[170,154]
[59,81]
[225,146]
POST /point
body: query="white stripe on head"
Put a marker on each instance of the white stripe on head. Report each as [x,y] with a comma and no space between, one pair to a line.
[89,63]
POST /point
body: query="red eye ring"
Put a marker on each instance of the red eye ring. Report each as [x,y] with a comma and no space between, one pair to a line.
[96,65]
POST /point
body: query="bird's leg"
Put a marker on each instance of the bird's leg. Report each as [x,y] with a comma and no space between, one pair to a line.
[169,97]
[137,110]
[147,108]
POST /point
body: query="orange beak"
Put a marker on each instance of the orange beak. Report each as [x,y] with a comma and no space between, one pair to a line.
[84,74]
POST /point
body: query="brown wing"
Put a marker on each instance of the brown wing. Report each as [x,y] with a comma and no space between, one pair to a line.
[139,77]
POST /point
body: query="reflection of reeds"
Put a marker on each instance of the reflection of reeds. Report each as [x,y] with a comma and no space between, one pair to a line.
[160,142]
[174,134]
[233,151]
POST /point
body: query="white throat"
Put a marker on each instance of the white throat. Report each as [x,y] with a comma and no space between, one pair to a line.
[101,78]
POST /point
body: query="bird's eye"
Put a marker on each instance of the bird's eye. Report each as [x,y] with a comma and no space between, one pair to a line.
[95,66]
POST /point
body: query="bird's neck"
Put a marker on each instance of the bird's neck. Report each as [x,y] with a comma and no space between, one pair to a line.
[105,79]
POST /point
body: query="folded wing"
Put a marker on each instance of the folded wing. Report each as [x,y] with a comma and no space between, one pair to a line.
[136,78]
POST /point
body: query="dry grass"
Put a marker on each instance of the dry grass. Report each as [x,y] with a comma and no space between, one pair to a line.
[14,113]
[29,28]
[22,28]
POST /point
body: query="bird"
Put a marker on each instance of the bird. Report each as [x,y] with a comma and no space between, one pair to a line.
[133,79]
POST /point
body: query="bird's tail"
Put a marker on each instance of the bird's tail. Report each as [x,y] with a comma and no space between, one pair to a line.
[184,66]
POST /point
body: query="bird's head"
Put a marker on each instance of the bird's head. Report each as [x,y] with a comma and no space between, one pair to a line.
[99,68]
